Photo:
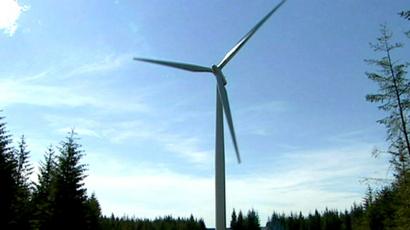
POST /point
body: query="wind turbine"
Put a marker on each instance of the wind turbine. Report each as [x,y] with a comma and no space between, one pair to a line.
[222,107]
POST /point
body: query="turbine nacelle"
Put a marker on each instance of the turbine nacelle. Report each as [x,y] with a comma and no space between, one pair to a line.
[217,71]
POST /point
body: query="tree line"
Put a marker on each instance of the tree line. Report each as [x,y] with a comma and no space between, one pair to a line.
[167,222]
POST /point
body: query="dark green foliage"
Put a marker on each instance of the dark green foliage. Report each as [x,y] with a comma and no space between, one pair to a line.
[8,184]
[43,195]
[402,212]
[22,203]
[70,195]
[233,220]
[250,222]
[93,213]
[165,223]
[328,220]
[240,224]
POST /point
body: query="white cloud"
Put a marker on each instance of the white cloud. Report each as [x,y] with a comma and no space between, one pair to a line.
[10,11]
[303,181]
[15,92]
[28,92]
[189,149]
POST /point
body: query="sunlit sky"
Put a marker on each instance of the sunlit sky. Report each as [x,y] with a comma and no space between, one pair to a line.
[296,90]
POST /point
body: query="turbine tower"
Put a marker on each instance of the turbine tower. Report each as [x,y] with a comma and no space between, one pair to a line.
[222,107]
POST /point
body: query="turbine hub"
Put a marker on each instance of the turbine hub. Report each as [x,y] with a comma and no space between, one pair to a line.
[216,70]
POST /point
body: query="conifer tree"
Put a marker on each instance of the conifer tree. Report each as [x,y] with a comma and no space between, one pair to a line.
[393,92]
[201,224]
[22,199]
[93,213]
[43,195]
[70,194]
[403,199]
[233,220]
[240,224]
[252,220]
[8,184]
[24,168]
[316,220]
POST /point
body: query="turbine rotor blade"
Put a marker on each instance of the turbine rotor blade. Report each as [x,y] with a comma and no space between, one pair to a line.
[227,111]
[184,66]
[247,36]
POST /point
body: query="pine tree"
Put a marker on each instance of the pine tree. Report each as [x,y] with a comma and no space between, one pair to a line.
[393,93]
[43,195]
[93,213]
[252,220]
[201,224]
[22,199]
[8,184]
[240,224]
[316,221]
[24,168]
[233,220]
[403,198]
[369,198]
[70,194]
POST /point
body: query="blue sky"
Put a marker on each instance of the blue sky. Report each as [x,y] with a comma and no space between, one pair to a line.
[296,90]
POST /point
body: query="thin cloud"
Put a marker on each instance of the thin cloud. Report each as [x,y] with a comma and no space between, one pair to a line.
[32,93]
[105,63]
[299,184]
[189,149]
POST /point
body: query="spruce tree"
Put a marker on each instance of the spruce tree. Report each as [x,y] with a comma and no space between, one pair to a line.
[233,220]
[43,195]
[240,224]
[316,221]
[202,225]
[21,203]
[252,220]
[403,198]
[70,195]
[8,184]
[93,213]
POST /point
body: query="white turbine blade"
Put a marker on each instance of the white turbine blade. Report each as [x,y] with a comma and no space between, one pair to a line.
[247,36]
[225,103]
[184,66]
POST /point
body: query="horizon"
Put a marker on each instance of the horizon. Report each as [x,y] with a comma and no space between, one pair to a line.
[297,95]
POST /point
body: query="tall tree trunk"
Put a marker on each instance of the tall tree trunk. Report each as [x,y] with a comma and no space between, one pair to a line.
[400,105]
